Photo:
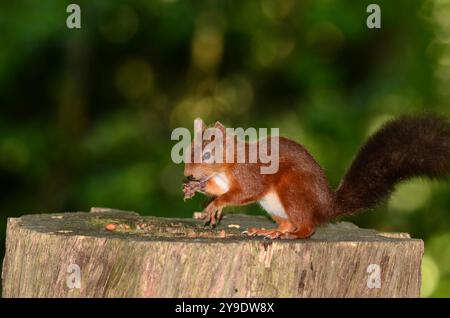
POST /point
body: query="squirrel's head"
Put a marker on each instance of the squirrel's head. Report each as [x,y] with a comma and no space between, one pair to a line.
[207,155]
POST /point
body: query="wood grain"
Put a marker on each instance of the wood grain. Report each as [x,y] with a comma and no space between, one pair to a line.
[161,257]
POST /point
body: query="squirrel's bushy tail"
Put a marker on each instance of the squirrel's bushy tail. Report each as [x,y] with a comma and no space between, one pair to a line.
[410,146]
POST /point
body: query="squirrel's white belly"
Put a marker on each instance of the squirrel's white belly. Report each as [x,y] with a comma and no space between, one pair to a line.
[222,182]
[272,204]
[218,184]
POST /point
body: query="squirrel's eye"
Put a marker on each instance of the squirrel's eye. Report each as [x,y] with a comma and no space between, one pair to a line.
[206,155]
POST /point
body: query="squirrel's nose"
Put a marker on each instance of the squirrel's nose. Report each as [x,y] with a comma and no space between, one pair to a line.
[187,171]
[189,179]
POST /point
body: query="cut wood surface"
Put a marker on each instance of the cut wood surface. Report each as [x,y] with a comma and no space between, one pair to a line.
[74,255]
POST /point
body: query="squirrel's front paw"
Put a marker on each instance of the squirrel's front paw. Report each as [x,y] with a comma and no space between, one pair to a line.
[210,220]
[211,216]
[191,187]
[208,216]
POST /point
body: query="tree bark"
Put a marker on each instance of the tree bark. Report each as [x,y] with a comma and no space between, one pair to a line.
[160,257]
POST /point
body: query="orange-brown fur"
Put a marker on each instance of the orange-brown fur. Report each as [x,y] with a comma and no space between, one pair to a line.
[303,203]
[302,187]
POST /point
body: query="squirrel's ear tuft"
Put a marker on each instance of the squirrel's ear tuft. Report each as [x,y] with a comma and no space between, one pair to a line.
[199,124]
[219,125]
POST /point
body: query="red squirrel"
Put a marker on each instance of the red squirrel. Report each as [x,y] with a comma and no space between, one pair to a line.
[298,196]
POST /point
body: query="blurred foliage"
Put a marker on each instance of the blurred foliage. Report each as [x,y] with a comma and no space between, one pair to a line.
[86,115]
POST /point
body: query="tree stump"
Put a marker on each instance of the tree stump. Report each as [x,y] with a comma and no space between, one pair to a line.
[74,255]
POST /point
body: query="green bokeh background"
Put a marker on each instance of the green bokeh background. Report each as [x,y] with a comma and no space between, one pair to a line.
[86,115]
